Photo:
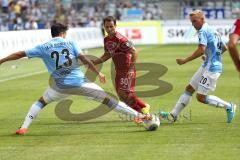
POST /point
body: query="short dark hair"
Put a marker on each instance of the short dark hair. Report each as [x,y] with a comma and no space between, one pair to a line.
[109,19]
[58,28]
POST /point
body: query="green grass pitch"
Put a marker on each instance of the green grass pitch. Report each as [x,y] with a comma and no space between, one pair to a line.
[206,136]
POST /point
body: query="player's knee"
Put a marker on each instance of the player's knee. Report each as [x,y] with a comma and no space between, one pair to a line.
[201,98]
[190,89]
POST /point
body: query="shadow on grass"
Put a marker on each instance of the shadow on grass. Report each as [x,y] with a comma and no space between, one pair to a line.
[65,128]
[80,123]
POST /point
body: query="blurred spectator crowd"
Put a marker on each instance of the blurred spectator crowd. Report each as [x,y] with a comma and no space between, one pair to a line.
[231,7]
[19,15]
[40,14]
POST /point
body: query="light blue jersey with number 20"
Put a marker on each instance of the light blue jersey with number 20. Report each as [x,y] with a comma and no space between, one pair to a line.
[214,46]
[60,57]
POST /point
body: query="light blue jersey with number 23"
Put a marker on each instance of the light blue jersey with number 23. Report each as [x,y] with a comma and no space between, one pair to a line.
[61,59]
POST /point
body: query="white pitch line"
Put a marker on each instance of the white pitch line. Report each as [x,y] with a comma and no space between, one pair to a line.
[21,76]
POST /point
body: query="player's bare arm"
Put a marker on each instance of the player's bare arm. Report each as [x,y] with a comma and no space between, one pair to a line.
[13,56]
[102,59]
[232,45]
[133,52]
[85,60]
[197,53]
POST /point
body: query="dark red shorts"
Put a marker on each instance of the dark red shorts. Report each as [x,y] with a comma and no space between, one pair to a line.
[124,82]
[236,28]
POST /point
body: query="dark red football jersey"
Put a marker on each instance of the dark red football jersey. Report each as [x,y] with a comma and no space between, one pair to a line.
[236,27]
[119,48]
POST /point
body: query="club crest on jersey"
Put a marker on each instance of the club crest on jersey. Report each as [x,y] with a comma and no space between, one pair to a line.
[111,46]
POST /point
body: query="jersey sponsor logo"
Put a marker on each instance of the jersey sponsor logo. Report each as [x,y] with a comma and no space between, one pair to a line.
[111,47]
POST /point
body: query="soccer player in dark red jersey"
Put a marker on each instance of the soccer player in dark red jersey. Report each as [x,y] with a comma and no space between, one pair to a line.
[124,56]
[232,44]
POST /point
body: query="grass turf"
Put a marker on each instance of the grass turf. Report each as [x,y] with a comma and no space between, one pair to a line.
[206,136]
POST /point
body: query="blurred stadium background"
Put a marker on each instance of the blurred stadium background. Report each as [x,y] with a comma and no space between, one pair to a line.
[162,32]
[142,21]
[19,14]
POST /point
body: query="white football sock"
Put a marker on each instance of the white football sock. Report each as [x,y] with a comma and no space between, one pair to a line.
[217,102]
[181,103]
[32,113]
[122,108]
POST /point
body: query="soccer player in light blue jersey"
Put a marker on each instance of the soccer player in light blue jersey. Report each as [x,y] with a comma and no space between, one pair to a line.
[61,58]
[205,79]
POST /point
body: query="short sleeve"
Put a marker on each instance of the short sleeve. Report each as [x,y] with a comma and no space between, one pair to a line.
[34,52]
[77,50]
[202,38]
[126,45]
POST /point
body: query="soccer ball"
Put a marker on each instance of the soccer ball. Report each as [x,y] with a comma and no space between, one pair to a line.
[153,124]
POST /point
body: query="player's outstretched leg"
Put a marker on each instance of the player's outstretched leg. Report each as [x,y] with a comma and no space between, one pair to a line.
[138,105]
[145,107]
[125,109]
[32,113]
[218,102]
[133,101]
[180,105]
[21,131]
[98,94]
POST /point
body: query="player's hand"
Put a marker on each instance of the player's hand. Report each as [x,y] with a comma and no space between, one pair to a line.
[180,61]
[101,78]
